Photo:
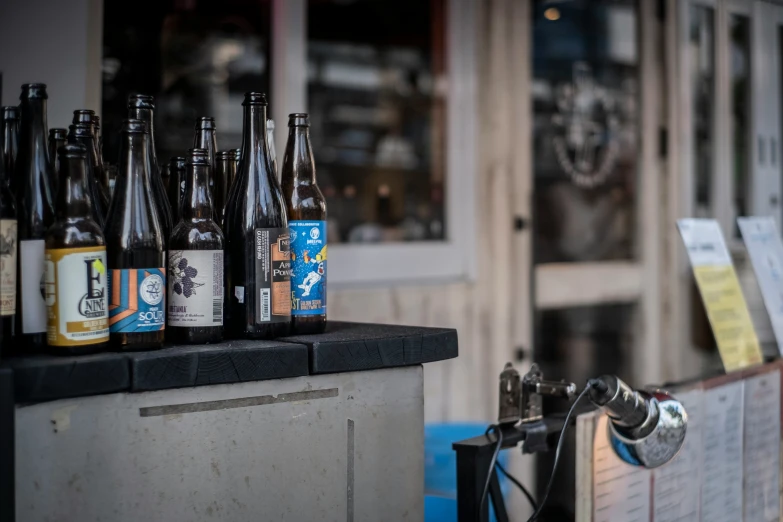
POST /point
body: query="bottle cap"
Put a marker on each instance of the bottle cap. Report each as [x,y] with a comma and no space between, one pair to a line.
[198,157]
[34,90]
[141,101]
[177,163]
[298,119]
[255,98]
[72,150]
[205,123]
[83,116]
[10,112]
[81,130]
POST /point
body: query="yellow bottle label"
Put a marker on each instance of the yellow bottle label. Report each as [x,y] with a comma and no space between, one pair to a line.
[76,297]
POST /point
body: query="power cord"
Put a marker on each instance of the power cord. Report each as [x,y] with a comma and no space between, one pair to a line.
[518,484]
[537,512]
[492,462]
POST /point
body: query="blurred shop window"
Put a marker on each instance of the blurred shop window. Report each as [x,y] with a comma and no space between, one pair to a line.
[701,48]
[739,30]
[376,96]
[586,129]
[197,57]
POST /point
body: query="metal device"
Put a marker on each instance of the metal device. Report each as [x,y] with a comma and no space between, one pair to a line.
[647,429]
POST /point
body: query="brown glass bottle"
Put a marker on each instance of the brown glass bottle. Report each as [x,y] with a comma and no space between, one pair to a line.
[135,249]
[225,172]
[36,214]
[8,247]
[306,210]
[257,243]
[82,133]
[142,107]
[195,270]
[10,147]
[75,280]
[57,138]
[176,189]
[88,117]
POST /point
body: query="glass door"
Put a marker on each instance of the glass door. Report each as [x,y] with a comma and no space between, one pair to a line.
[595,190]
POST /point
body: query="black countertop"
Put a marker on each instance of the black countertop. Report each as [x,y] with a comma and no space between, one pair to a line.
[343,347]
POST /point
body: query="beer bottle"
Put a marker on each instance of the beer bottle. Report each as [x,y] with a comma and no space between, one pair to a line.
[270,142]
[34,208]
[57,138]
[82,133]
[8,267]
[142,107]
[195,312]
[176,188]
[257,254]
[225,171]
[10,144]
[135,249]
[306,210]
[76,276]
[99,173]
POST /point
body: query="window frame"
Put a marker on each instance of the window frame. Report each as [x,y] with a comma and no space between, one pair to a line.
[398,262]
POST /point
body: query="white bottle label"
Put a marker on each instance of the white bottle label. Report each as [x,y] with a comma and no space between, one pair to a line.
[31,264]
[77,297]
[195,288]
[7,267]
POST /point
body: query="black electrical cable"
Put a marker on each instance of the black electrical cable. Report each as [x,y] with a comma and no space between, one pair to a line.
[491,463]
[537,512]
[518,484]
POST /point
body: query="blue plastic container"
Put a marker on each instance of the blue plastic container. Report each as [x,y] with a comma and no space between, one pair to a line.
[440,468]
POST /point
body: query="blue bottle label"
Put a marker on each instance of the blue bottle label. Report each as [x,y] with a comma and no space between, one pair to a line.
[308,263]
[137,300]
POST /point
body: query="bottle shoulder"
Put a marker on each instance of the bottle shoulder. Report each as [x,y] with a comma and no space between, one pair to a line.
[74,233]
[197,234]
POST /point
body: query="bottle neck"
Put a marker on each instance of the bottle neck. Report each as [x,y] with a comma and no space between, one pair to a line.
[255,152]
[33,130]
[148,117]
[197,202]
[73,196]
[299,156]
[133,164]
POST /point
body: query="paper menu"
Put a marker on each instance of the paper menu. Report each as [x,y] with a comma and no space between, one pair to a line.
[620,491]
[766,254]
[761,458]
[722,468]
[721,293]
[677,485]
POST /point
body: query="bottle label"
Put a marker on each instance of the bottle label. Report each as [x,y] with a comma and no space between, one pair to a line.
[75,282]
[137,301]
[31,269]
[7,267]
[308,267]
[195,288]
[273,275]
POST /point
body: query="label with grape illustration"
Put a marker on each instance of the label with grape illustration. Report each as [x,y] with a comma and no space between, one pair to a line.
[7,266]
[308,267]
[76,296]
[137,300]
[273,275]
[195,288]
